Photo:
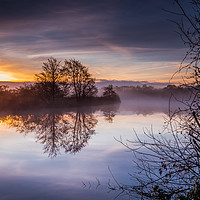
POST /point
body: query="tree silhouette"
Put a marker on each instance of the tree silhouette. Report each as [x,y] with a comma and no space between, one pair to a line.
[49,81]
[168,163]
[110,95]
[7,98]
[189,30]
[79,77]
[109,92]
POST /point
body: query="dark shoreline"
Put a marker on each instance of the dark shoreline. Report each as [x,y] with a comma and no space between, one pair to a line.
[93,105]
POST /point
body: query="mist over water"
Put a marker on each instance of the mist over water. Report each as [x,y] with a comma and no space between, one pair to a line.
[49,154]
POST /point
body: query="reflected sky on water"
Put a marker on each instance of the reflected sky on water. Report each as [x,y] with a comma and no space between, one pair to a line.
[47,155]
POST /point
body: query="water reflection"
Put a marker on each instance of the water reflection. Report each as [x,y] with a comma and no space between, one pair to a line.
[167,163]
[82,128]
[109,112]
[61,131]
[26,169]
[69,132]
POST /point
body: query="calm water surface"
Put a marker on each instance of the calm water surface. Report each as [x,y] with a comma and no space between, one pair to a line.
[49,155]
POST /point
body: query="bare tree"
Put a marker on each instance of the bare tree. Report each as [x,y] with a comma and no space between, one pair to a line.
[110,95]
[49,80]
[189,30]
[168,163]
[109,92]
[81,80]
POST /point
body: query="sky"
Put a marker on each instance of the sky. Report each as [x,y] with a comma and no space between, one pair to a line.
[117,40]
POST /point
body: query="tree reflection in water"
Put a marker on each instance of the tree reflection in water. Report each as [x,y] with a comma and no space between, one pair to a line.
[81,130]
[109,112]
[109,115]
[69,132]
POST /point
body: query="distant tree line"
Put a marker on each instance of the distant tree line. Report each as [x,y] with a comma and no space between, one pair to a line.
[135,92]
[68,84]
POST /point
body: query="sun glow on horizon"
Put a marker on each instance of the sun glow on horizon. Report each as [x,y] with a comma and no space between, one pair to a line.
[6,77]
[24,71]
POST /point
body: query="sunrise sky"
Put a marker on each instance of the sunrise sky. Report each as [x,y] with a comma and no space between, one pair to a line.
[121,40]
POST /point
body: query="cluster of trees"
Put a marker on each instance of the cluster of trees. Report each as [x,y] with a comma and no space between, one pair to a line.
[71,79]
[57,84]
